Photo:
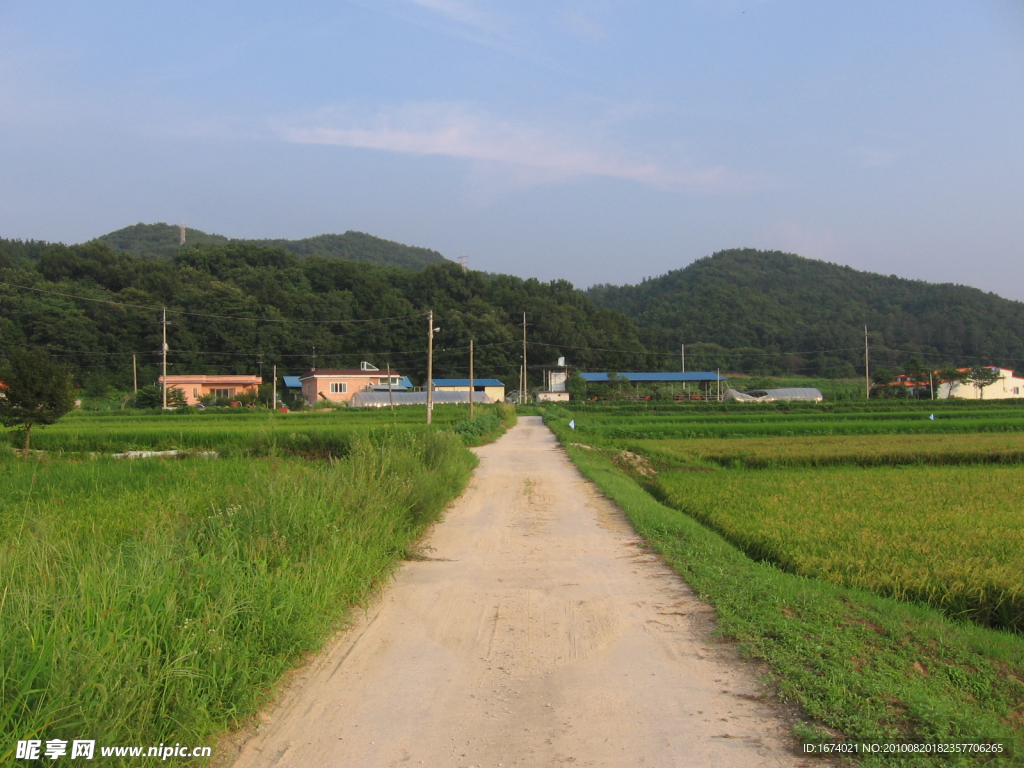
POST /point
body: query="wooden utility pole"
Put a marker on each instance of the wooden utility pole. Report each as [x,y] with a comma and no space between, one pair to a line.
[683,353]
[135,376]
[526,382]
[470,379]
[867,377]
[273,397]
[163,324]
[430,365]
[391,397]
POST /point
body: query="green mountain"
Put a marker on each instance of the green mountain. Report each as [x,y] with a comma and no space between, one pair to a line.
[773,312]
[163,241]
[242,308]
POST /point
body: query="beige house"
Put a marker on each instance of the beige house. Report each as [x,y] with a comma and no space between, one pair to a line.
[197,387]
[340,384]
[492,387]
[1009,385]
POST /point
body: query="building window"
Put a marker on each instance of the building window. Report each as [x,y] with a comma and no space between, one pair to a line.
[223,392]
[339,387]
[395,381]
[195,393]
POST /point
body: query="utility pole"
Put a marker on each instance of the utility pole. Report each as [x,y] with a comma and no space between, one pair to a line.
[391,397]
[931,384]
[867,377]
[273,398]
[430,366]
[718,384]
[314,357]
[163,324]
[683,352]
[135,376]
[526,376]
[470,379]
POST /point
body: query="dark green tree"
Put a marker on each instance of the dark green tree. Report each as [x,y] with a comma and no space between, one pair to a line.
[36,391]
[981,376]
[576,386]
[151,396]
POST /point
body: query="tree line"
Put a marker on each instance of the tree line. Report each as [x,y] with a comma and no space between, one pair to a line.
[243,308]
[767,312]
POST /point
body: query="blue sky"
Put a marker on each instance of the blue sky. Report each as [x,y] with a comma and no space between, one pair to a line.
[600,141]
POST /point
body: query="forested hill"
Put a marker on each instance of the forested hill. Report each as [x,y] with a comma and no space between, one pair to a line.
[768,311]
[251,303]
[162,241]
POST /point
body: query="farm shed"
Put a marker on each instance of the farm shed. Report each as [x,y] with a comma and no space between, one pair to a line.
[383,400]
[492,387]
[791,394]
[702,379]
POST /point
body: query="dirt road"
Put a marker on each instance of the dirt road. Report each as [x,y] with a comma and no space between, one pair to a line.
[541,632]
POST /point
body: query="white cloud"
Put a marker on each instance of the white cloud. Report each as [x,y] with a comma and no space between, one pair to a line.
[526,151]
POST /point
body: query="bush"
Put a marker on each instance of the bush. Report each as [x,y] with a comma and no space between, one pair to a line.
[472,431]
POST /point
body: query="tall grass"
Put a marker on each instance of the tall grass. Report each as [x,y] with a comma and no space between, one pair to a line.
[157,601]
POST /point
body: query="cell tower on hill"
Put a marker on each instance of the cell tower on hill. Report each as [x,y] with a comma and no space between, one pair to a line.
[181,234]
[462,260]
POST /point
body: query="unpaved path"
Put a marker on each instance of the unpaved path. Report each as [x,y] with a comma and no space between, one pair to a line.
[541,633]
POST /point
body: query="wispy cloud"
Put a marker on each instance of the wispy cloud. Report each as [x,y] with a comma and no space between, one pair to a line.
[527,150]
[456,10]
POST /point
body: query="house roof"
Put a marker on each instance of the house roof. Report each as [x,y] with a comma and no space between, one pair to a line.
[292,382]
[348,372]
[600,377]
[465,383]
[211,379]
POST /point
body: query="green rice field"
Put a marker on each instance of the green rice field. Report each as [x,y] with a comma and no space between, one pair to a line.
[857,450]
[951,537]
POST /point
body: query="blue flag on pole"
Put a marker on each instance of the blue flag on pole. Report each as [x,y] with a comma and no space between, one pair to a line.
[572,424]
[932,417]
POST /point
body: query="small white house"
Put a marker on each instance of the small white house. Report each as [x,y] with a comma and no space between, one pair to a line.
[1007,386]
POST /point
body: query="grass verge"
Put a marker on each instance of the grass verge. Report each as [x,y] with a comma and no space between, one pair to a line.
[863,667]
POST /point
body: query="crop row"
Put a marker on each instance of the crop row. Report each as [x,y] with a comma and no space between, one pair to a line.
[859,450]
[317,433]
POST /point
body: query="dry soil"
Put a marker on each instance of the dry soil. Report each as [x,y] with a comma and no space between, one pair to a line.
[536,630]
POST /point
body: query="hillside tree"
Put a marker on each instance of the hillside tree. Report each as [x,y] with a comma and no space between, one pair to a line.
[36,391]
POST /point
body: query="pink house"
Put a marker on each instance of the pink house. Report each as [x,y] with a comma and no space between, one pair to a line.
[339,384]
[196,387]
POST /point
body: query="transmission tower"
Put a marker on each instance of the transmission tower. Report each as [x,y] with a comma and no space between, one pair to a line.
[181,234]
[462,260]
